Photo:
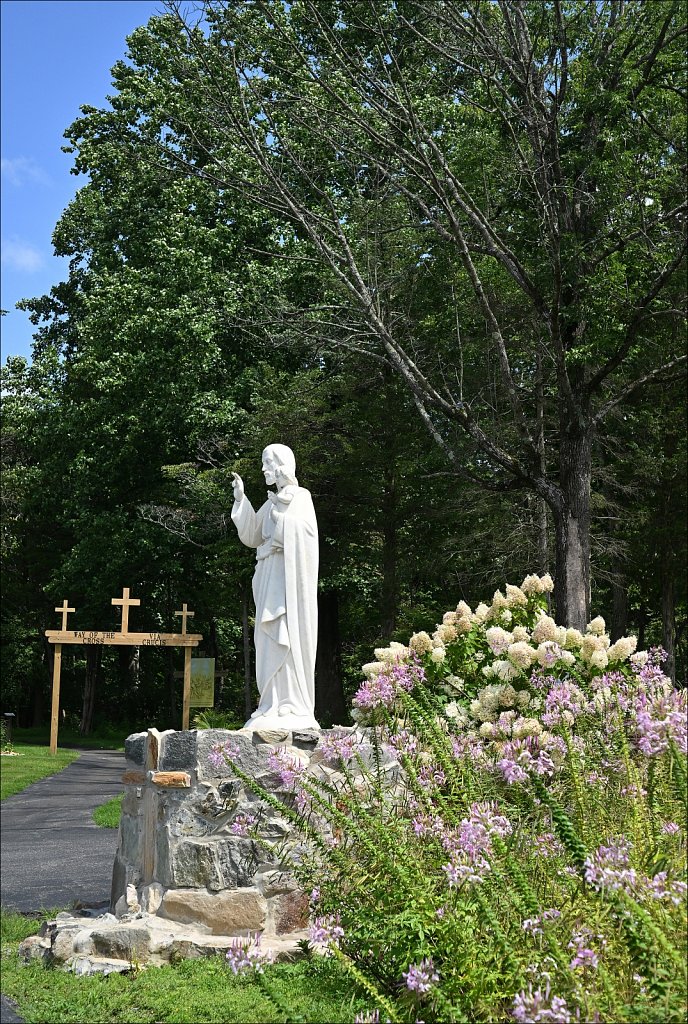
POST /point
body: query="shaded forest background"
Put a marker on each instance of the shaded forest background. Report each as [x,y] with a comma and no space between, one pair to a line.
[202,320]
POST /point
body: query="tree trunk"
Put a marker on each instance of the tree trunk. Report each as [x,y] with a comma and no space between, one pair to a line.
[668,619]
[389,555]
[619,608]
[572,529]
[248,679]
[330,706]
[93,659]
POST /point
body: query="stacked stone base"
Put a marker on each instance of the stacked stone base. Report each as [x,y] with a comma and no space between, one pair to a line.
[185,880]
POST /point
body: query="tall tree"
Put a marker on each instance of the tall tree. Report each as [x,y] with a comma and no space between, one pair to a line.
[533,151]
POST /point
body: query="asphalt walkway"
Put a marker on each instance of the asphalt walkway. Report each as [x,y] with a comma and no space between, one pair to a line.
[51,851]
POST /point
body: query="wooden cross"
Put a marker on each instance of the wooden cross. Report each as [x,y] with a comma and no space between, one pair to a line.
[65,612]
[125,601]
[184,614]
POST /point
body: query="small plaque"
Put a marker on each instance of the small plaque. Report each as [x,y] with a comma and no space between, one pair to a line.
[202,683]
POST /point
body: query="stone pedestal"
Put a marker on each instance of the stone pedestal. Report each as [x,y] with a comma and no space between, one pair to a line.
[179,854]
[185,883]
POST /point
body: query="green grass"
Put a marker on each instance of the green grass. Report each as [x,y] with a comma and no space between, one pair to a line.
[314,990]
[108,814]
[31,764]
[103,739]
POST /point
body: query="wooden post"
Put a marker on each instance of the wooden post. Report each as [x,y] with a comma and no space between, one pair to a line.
[187,688]
[55,715]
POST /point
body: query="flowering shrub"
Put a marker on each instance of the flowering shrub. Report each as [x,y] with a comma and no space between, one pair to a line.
[517,850]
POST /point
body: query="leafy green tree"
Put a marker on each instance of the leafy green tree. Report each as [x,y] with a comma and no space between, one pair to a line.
[531,155]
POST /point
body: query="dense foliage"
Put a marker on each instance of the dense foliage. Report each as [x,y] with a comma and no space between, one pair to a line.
[525,859]
[448,276]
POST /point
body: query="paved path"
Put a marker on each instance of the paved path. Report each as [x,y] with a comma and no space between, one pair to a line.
[51,850]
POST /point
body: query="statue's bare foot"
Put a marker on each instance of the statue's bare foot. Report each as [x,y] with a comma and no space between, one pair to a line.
[286,709]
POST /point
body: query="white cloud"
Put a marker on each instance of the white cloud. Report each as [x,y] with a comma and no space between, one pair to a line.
[22,256]
[22,170]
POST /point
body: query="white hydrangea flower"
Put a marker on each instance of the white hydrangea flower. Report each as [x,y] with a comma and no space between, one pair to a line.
[482,613]
[463,610]
[523,700]
[520,634]
[373,668]
[395,652]
[593,643]
[568,658]
[548,653]
[504,670]
[597,626]
[574,639]
[545,629]
[523,727]
[623,648]
[488,671]
[521,654]
[640,659]
[488,696]
[599,659]
[486,730]
[437,655]
[530,585]
[507,695]
[498,639]
[546,584]
[475,708]
[420,642]
[445,633]
[568,717]
[515,597]
[505,616]
[498,601]
[449,618]
[463,625]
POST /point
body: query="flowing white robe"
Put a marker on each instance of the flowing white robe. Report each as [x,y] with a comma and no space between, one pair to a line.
[285,586]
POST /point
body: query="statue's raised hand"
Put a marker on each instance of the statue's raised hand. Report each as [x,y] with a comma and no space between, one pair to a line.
[238,485]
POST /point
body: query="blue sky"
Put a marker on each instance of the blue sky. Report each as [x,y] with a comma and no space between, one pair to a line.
[56,56]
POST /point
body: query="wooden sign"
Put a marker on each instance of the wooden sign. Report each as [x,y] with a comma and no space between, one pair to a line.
[123,638]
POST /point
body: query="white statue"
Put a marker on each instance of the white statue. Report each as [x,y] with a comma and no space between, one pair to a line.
[285,589]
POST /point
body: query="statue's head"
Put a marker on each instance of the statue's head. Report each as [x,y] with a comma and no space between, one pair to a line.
[279,465]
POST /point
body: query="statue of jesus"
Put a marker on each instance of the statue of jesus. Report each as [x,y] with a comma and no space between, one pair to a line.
[284,532]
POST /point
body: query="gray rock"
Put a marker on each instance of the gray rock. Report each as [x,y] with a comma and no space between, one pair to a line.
[135,748]
[183,822]
[163,866]
[252,759]
[83,942]
[122,943]
[130,838]
[84,966]
[306,739]
[151,897]
[275,882]
[232,912]
[35,947]
[119,879]
[227,862]
[178,751]
[273,736]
